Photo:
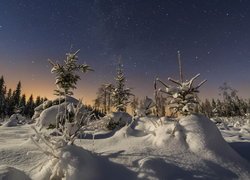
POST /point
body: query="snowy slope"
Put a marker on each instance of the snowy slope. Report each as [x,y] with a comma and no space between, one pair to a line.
[150,148]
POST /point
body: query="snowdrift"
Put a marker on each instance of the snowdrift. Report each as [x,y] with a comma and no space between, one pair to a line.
[11,173]
[204,138]
[75,163]
[116,120]
[47,113]
[14,120]
[147,148]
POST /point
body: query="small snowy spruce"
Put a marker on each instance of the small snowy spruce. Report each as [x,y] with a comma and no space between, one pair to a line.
[66,74]
[60,164]
[121,94]
[183,96]
[66,80]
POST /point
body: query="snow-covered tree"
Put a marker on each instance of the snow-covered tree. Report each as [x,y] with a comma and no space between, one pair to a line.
[2,97]
[71,120]
[104,97]
[231,101]
[67,73]
[17,94]
[66,79]
[183,96]
[9,105]
[121,94]
[29,108]
[23,104]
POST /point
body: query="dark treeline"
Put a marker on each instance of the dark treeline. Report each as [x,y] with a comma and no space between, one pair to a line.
[230,104]
[225,108]
[13,101]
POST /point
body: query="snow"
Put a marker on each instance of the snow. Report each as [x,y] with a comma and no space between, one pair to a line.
[117,119]
[47,113]
[190,147]
[10,173]
[14,120]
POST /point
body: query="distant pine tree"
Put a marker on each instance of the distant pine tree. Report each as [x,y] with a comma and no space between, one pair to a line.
[9,108]
[2,97]
[30,105]
[38,101]
[17,95]
[23,104]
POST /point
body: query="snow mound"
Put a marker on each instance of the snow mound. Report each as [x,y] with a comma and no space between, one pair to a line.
[75,163]
[14,120]
[49,115]
[199,135]
[46,117]
[202,136]
[72,162]
[117,120]
[11,173]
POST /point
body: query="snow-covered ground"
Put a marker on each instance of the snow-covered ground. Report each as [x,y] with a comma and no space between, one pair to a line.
[149,148]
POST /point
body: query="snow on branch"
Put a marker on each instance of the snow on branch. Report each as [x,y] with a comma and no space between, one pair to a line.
[183,94]
[66,74]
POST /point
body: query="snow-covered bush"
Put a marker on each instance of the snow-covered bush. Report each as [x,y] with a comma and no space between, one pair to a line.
[60,163]
[116,120]
[75,121]
[64,161]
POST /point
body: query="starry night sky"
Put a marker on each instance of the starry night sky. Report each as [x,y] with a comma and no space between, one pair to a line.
[213,37]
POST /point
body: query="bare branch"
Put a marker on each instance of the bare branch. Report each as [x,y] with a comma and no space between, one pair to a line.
[77,52]
[180,67]
[201,83]
[160,90]
[160,81]
[51,62]
[192,80]
[174,81]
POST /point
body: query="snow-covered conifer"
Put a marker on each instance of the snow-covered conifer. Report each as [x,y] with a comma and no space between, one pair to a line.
[2,97]
[121,94]
[66,74]
[183,96]
[66,80]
